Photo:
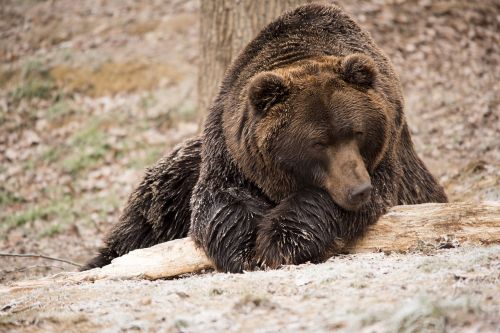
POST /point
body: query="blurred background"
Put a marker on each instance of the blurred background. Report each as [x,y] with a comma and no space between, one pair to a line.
[92,92]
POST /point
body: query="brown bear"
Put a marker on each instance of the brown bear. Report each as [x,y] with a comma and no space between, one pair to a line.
[305,146]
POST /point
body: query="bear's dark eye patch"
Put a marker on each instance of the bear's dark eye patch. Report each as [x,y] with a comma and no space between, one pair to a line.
[342,133]
[319,145]
[359,135]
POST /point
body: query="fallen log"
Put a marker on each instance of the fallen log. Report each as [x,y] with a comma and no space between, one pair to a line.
[417,227]
[402,229]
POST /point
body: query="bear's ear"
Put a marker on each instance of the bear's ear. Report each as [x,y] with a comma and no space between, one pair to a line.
[265,90]
[358,69]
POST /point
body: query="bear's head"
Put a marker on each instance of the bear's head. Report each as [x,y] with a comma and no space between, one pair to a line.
[318,122]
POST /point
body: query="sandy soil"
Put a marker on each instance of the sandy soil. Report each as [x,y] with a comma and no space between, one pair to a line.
[91,92]
[453,290]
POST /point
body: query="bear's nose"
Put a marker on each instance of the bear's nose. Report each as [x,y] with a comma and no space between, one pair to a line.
[360,194]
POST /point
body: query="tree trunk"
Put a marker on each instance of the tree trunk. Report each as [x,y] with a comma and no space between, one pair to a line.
[226,27]
[404,228]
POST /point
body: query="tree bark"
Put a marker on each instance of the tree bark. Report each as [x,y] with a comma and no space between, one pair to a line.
[226,26]
[404,228]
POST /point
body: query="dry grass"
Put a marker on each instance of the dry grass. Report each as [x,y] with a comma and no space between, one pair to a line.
[113,78]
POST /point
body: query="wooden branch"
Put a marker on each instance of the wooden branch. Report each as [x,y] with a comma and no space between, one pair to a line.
[39,256]
[404,228]
[164,260]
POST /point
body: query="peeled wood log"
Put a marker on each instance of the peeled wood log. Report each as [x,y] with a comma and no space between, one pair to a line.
[416,227]
[402,229]
[163,260]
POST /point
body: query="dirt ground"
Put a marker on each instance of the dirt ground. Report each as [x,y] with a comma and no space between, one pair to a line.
[451,291]
[91,92]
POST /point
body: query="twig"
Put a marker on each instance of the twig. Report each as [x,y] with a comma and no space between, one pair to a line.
[41,256]
[21,269]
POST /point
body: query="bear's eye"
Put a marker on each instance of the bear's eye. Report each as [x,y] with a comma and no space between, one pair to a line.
[359,134]
[320,145]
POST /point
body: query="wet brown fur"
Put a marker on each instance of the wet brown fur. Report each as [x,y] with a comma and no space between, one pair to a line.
[310,107]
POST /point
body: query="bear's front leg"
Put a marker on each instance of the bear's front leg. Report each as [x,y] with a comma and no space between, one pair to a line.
[303,227]
[224,224]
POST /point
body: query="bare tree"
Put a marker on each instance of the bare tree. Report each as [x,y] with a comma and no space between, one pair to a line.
[226,27]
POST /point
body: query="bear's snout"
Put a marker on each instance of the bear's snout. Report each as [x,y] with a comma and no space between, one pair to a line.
[348,181]
[359,195]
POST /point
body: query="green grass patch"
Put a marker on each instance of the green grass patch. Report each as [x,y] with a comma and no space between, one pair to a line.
[8,198]
[181,324]
[29,215]
[83,159]
[35,68]
[33,89]
[87,148]
[89,135]
[52,230]
[61,210]
[29,165]
[59,109]
[150,154]
[58,214]
[147,102]
[5,76]
[187,111]
[84,149]
[51,154]
[153,154]
[94,210]
[36,82]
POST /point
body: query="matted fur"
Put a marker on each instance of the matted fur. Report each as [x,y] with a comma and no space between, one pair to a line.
[248,206]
